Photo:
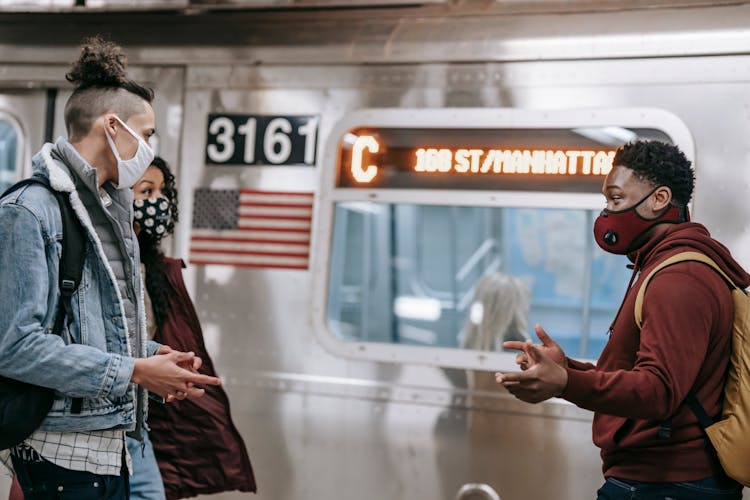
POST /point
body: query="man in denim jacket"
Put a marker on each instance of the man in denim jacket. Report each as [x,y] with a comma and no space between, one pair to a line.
[102,358]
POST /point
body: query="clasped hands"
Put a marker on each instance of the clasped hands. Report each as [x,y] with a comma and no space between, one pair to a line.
[172,374]
[543,374]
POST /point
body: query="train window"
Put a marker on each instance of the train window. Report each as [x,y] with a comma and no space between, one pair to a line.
[9,149]
[430,233]
[407,274]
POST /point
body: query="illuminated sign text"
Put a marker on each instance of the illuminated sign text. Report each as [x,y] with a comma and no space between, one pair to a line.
[362,143]
[514,161]
[555,159]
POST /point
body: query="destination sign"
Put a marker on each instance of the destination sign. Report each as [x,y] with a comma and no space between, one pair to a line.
[573,160]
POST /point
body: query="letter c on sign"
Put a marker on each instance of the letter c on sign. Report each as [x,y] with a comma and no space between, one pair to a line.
[362,143]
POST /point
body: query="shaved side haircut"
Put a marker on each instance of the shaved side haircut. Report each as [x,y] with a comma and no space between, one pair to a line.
[101,86]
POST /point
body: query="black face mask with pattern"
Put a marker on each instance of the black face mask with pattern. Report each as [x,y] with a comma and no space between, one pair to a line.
[152,216]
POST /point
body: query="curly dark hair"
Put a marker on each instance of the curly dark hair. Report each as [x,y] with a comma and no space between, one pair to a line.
[661,164]
[101,63]
[157,282]
[101,86]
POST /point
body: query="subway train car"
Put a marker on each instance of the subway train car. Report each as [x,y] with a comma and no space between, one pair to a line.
[374,194]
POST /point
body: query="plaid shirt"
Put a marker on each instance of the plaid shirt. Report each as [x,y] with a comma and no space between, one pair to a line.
[98,452]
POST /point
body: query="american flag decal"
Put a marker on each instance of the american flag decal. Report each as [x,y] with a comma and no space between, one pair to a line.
[248,228]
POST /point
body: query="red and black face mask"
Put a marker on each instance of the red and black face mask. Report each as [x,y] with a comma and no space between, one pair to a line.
[621,231]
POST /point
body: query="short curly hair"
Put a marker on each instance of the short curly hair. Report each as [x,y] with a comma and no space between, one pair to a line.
[661,164]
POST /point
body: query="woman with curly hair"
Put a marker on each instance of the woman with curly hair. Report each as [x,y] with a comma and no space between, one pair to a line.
[181,427]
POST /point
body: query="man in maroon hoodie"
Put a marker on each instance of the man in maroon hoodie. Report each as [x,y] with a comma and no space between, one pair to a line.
[639,385]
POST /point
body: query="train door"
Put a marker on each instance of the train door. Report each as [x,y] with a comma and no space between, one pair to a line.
[22,125]
[458,229]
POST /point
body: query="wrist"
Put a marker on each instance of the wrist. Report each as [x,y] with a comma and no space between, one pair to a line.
[563,382]
[136,377]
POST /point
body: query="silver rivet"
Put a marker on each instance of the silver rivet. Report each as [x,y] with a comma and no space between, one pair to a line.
[59,488]
[96,484]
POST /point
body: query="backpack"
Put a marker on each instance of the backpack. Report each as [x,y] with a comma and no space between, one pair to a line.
[23,406]
[730,435]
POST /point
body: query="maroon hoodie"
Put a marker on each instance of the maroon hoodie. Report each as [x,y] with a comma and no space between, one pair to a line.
[642,377]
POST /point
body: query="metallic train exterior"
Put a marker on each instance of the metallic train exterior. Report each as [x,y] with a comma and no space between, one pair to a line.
[326,418]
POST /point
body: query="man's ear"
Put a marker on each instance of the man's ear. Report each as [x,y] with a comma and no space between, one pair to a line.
[110,124]
[661,198]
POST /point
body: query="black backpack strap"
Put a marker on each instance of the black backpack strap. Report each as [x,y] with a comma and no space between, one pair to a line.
[665,428]
[71,268]
[71,258]
[703,419]
[31,180]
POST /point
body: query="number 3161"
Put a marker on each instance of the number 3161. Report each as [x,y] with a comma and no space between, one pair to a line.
[253,140]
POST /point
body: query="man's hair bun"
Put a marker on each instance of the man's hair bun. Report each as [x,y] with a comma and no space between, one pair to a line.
[101,64]
[101,86]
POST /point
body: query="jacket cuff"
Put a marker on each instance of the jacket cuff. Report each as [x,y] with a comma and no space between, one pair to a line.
[152,347]
[577,389]
[119,373]
[578,365]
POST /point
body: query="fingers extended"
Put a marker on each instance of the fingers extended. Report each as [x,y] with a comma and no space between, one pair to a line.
[514,344]
[199,378]
[516,377]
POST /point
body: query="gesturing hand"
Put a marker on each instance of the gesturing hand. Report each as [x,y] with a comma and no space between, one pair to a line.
[543,375]
[193,365]
[549,347]
[172,374]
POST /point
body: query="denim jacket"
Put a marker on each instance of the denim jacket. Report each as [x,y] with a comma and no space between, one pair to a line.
[93,359]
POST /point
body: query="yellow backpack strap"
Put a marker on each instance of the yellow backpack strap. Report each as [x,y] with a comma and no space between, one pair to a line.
[680,257]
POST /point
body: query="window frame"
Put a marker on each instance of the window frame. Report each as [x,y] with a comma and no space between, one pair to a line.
[329,195]
[22,168]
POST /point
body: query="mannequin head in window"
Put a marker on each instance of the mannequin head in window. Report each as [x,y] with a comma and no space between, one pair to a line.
[498,312]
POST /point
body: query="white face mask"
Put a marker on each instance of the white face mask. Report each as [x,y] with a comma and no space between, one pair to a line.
[131,170]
